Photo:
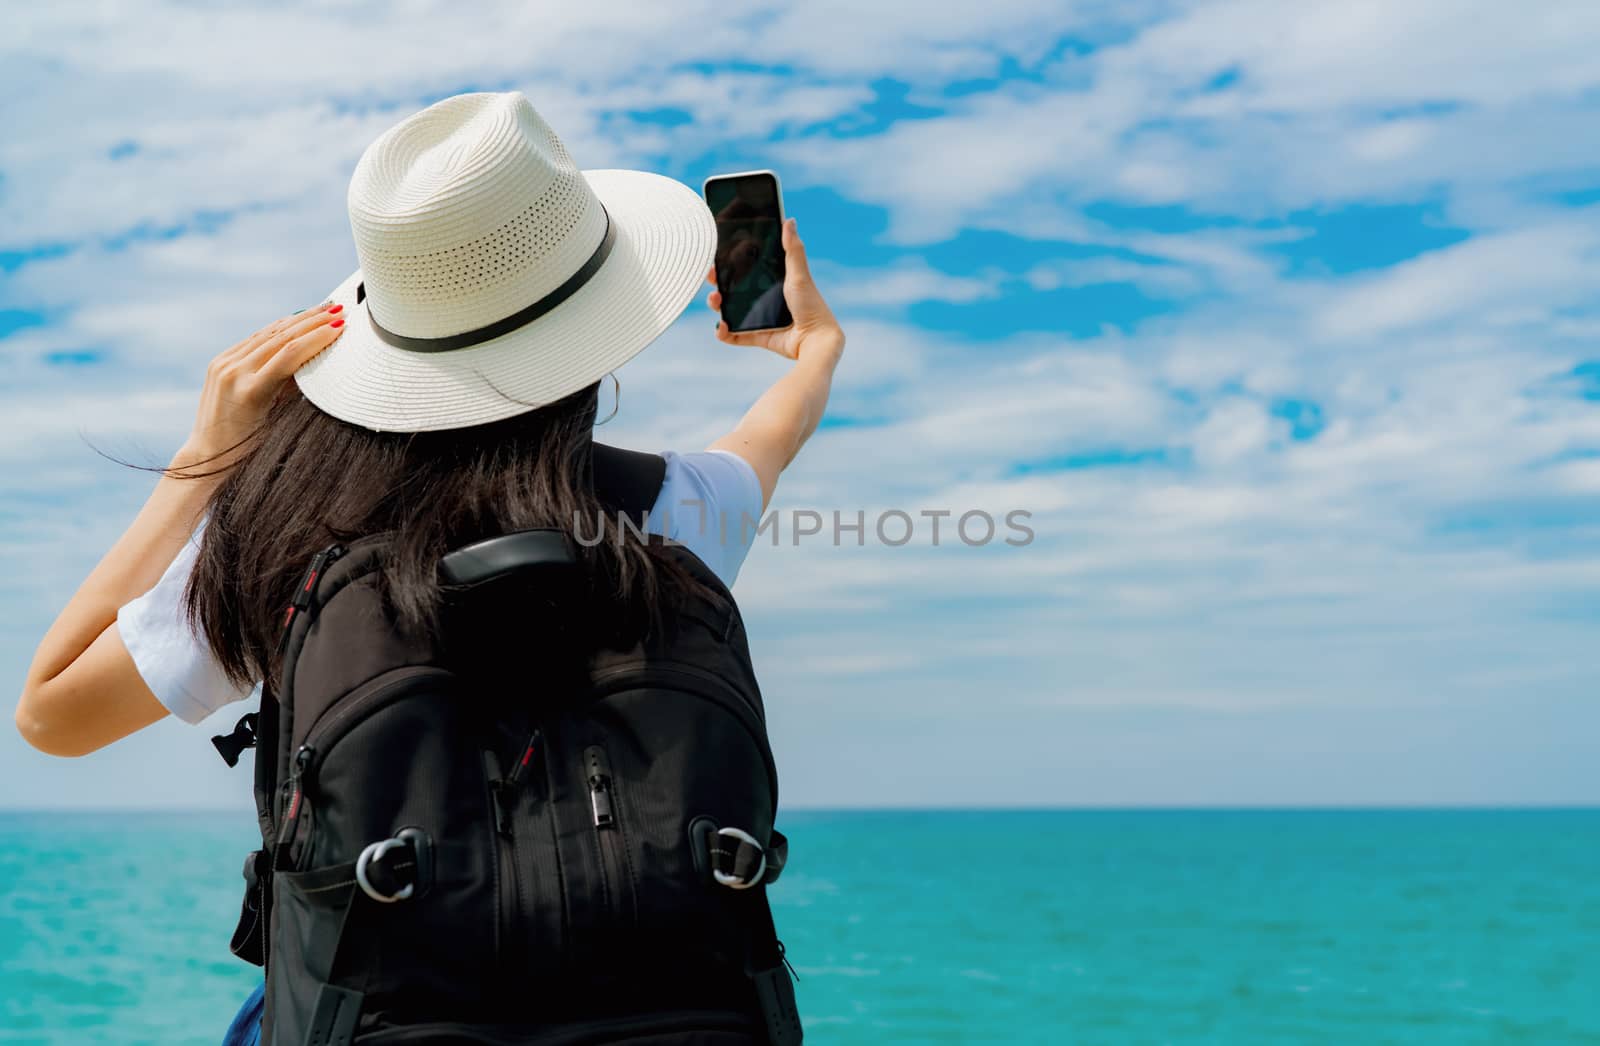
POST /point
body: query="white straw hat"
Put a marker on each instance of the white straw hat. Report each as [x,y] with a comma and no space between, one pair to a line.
[495,276]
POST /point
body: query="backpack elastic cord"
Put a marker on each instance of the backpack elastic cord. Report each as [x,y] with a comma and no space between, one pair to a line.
[737,861]
[769,971]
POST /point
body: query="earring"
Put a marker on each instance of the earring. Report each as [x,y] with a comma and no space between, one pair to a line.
[616,401]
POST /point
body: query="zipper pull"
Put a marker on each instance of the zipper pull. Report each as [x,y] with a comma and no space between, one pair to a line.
[600,787]
[302,595]
[497,793]
[600,800]
[502,806]
[505,788]
[302,761]
[521,766]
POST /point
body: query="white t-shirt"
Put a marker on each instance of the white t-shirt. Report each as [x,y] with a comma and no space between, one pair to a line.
[705,499]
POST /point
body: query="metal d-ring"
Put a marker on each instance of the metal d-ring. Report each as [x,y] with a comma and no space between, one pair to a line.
[733,881]
[373,852]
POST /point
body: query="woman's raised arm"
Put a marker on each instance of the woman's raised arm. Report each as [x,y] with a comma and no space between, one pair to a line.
[773,430]
[83,691]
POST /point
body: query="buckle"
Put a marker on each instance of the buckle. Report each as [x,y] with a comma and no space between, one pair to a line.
[746,842]
[232,744]
[376,852]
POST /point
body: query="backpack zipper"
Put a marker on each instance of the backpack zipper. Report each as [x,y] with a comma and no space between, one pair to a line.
[521,768]
[308,584]
[330,727]
[608,830]
[505,788]
[303,757]
[298,604]
[502,910]
[600,789]
[326,732]
[720,693]
[503,793]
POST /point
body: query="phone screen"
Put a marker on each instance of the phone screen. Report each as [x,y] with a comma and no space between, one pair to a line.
[749,259]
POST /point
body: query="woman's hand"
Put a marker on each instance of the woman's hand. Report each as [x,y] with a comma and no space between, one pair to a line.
[814,330]
[773,430]
[83,690]
[242,382]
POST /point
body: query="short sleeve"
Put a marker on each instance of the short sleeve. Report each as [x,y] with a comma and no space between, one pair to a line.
[710,501]
[175,662]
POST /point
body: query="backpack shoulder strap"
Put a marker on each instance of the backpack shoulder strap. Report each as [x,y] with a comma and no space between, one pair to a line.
[627,480]
[266,763]
[258,730]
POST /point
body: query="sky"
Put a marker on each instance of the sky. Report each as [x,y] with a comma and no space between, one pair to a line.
[1279,320]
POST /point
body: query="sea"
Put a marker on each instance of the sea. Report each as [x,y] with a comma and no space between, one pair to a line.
[1180,926]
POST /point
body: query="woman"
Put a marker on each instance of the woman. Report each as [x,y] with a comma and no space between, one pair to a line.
[445,392]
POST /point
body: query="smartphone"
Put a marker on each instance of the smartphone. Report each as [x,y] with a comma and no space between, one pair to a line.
[748,207]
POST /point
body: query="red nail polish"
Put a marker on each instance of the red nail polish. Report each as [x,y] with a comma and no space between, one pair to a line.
[337,323]
[335,308]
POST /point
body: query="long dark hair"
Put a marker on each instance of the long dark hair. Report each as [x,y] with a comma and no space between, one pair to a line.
[310,480]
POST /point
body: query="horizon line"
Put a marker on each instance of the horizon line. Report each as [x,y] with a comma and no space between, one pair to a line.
[1330,807]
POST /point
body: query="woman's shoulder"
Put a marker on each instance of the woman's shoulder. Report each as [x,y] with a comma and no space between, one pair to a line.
[168,652]
[710,501]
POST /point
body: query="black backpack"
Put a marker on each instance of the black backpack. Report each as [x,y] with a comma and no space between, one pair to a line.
[517,835]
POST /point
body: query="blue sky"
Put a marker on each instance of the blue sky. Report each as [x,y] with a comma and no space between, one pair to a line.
[1280,322]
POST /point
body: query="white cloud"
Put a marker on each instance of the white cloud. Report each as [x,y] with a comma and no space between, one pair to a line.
[1437,95]
[1162,280]
[1304,59]
[1550,266]
[905,283]
[1233,429]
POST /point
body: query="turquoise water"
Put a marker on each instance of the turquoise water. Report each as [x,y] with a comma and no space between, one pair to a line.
[1081,927]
